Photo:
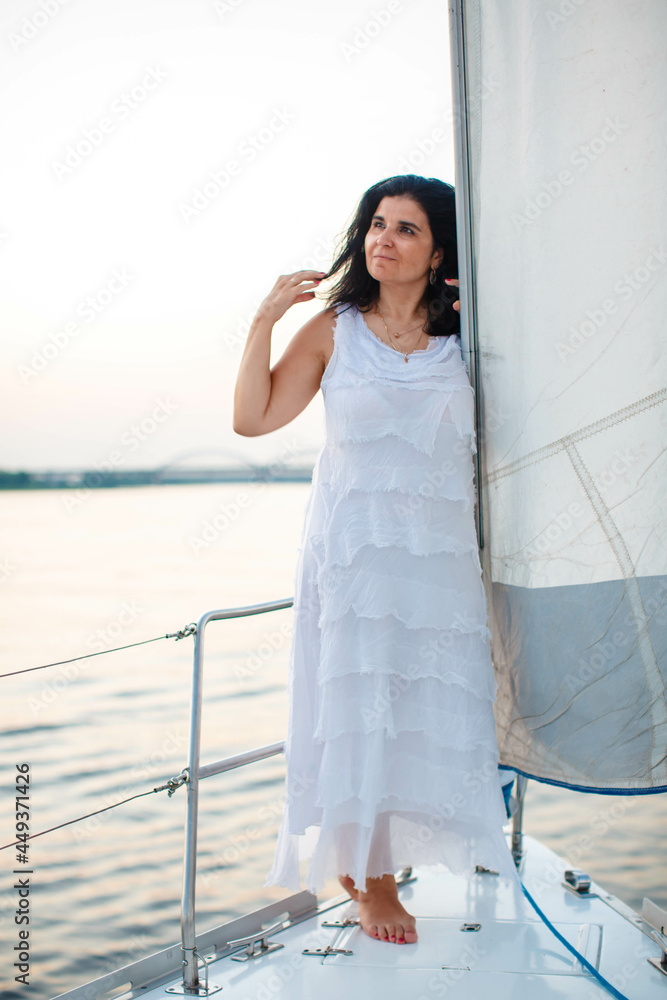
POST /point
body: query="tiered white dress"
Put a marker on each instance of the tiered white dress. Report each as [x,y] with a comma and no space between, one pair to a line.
[391,746]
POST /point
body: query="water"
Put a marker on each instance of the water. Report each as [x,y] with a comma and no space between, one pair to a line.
[121,565]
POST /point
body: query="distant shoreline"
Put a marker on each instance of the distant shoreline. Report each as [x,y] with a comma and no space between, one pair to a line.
[76,479]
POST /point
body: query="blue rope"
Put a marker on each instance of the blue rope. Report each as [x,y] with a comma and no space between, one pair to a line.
[593,789]
[594,972]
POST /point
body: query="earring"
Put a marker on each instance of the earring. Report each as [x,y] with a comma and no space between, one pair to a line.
[432,276]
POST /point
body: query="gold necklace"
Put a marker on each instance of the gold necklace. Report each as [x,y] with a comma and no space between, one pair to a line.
[399,334]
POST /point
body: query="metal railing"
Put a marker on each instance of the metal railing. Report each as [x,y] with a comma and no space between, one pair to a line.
[195,773]
[517,820]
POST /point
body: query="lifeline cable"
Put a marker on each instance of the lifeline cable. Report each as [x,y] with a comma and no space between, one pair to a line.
[188,630]
[580,958]
[170,787]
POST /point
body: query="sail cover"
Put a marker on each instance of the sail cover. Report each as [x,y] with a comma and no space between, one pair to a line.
[566,113]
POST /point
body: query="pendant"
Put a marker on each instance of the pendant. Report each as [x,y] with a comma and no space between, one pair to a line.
[406,358]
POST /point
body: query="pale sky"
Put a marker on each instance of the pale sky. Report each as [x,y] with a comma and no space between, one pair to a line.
[163,163]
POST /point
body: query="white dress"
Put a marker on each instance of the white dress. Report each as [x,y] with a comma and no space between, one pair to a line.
[391,746]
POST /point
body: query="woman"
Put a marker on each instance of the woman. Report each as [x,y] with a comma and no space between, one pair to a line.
[391,747]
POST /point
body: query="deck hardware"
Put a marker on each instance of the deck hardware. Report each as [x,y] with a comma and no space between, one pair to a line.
[175,783]
[517,821]
[655,916]
[471,927]
[660,963]
[190,629]
[578,881]
[323,952]
[207,990]
[405,876]
[340,926]
[250,940]
[481,870]
[195,991]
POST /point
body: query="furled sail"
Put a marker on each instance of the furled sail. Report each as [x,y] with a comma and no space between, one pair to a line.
[563,146]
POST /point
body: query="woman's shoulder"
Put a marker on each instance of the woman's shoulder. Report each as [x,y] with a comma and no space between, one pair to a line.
[316,336]
[323,324]
[329,325]
[327,317]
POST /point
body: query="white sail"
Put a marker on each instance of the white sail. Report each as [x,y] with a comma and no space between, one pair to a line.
[565,105]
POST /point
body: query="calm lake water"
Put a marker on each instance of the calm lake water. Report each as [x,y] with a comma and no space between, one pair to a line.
[122,565]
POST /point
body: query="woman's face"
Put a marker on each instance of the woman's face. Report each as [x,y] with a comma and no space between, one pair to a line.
[399,244]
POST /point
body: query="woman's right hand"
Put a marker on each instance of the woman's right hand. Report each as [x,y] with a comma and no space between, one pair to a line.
[454,281]
[288,289]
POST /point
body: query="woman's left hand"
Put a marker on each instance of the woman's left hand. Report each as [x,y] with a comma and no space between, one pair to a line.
[454,281]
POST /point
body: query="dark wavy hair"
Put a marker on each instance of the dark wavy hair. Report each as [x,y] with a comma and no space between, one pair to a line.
[355,286]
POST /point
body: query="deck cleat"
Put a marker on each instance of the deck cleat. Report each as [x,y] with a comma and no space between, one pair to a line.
[578,882]
[656,918]
[258,938]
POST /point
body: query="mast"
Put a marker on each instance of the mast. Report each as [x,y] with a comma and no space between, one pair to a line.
[467,279]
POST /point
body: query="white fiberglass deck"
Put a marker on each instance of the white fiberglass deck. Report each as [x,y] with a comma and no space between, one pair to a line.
[513,954]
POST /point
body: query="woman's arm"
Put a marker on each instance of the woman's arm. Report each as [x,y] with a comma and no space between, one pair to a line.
[266,399]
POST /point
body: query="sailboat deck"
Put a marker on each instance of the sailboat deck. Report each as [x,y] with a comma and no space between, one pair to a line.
[512,954]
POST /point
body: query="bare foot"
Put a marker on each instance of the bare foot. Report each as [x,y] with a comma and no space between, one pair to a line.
[382,916]
[348,884]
